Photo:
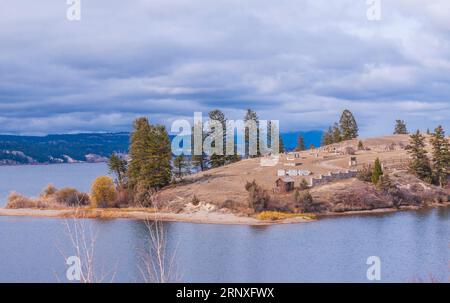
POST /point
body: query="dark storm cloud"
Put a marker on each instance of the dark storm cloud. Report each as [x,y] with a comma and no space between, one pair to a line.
[301,62]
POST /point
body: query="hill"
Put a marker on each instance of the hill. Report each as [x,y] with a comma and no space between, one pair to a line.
[61,148]
[89,147]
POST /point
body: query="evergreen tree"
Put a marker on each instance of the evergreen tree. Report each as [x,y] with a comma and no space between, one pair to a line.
[118,167]
[161,156]
[327,137]
[139,148]
[300,143]
[377,171]
[282,148]
[201,159]
[441,156]
[348,126]
[251,116]
[150,153]
[180,164]
[400,128]
[337,134]
[420,164]
[216,159]
[360,145]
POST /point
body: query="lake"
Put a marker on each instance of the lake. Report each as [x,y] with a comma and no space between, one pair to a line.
[411,245]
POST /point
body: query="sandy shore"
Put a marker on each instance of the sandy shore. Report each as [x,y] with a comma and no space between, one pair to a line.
[201,217]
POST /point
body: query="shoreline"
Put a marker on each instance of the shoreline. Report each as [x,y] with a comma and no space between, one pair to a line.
[200,217]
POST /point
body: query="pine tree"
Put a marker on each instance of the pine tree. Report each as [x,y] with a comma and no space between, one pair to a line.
[400,128]
[118,167]
[201,159]
[252,116]
[139,147]
[160,156]
[327,137]
[300,143]
[441,156]
[348,126]
[180,164]
[420,164]
[219,160]
[282,148]
[360,145]
[337,134]
[150,153]
[377,171]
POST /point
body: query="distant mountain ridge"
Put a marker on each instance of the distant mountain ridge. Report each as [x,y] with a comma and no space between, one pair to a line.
[90,147]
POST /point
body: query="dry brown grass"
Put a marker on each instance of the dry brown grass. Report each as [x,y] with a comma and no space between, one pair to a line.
[277,216]
[17,201]
[106,213]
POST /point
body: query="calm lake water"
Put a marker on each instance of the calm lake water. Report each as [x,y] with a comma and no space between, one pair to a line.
[411,245]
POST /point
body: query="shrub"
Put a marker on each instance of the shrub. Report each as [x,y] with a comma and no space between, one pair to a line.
[144,195]
[258,198]
[304,200]
[365,174]
[103,192]
[195,201]
[360,145]
[71,197]
[49,191]
[350,151]
[304,184]
[377,171]
[16,200]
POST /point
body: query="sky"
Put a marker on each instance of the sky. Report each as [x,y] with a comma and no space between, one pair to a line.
[297,61]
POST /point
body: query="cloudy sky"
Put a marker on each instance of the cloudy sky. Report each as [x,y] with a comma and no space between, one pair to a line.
[298,61]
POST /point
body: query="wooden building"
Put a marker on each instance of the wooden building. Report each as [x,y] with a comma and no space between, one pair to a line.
[284,184]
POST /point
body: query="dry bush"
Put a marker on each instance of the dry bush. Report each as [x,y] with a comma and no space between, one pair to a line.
[49,191]
[71,197]
[124,197]
[258,198]
[276,215]
[304,184]
[16,201]
[365,174]
[103,192]
[305,201]
[195,201]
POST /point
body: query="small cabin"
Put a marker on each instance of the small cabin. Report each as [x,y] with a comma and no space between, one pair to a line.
[284,184]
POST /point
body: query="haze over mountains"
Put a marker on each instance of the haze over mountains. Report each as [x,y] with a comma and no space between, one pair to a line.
[90,147]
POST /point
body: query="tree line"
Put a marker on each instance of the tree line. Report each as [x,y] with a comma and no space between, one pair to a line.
[346,129]
[437,169]
[151,165]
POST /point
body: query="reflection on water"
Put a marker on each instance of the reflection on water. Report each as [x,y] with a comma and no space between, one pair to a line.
[411,244]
